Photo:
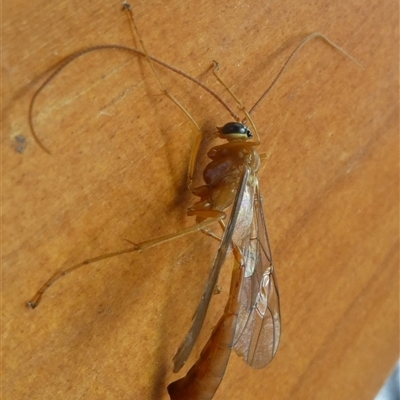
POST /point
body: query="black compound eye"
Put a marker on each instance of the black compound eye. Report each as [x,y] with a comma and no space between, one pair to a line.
[236,128]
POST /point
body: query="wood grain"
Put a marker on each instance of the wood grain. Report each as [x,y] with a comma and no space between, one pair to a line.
[117,171]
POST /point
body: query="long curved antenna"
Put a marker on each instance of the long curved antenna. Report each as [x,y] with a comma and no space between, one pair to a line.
[132,50]
[307,39]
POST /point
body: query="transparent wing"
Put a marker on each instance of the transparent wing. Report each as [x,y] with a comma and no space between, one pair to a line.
[259,326]
[236,218]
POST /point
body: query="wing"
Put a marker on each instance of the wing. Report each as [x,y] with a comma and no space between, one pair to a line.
[259,326]
[241,202]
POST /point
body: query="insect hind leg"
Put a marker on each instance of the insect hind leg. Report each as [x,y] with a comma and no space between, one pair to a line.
[136,247]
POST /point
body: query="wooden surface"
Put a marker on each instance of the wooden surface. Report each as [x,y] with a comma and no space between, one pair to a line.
[117,171]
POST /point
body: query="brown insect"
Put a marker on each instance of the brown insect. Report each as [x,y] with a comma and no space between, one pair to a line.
[250,323]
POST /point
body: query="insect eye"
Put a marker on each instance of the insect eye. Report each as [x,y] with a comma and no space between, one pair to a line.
[236,128]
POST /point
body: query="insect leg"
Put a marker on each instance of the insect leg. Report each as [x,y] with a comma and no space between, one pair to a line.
[34,302]
[207,232]
[199,135]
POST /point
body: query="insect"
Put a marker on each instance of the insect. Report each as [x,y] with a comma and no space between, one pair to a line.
[250,323]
